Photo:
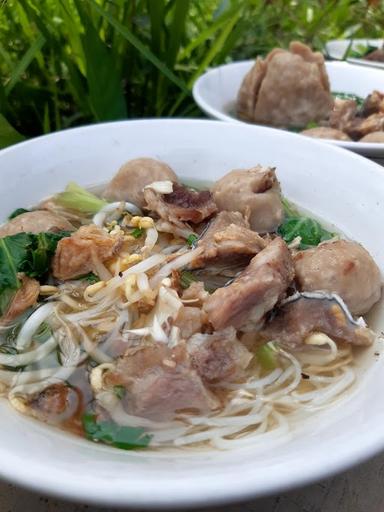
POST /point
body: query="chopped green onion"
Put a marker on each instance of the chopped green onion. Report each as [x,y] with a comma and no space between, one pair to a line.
[192,239]
[267,356]
[137,232]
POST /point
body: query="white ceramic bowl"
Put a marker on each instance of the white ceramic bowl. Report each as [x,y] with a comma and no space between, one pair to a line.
[215,92]
[337,48]
[337,185]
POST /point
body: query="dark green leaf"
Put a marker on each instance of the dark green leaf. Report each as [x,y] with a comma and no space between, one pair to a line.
[126,438]
[91,278]
[309,230]
[17,212]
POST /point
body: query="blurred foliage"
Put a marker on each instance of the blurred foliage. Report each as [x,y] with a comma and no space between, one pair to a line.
[68,62]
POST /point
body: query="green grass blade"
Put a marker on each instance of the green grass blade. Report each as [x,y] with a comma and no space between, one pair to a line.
[25,61]
[140,47]
[177,30]
[156,11]
[8,135]
[104,82]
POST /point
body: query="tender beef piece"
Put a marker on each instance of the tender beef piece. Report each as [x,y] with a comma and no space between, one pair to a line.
[373,104]
[323,132]
[255,291]
[160,382]
[53,400]
[38,221]
[133,176]
[181,205]
[189,320]
[228,239]
[219,356]
[25,297]
[255,193]
[343,114]
[293,322]
[376,55]
[358,128]
[373,137]
[346,117]
[78,254]
[287,88]
[341,267]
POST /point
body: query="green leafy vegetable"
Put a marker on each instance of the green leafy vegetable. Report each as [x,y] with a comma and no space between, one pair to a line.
[24,252]
[137,232]
[192,239]
[119,391]
[311,124]
[77,198]
[127,438]
[309,230]
[267,356]
[348,96]
[186,279]
[17,212]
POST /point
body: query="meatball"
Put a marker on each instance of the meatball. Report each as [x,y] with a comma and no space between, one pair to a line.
[133,176]
[38,221]
[323,132]
[255,193]
[341,267]
[373,137]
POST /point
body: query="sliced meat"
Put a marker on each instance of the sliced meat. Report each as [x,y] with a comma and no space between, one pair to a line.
[189,320]
[287,88]
[343,113]
[293,322]
[38,221]
[219,356]
[359,127]
[160,382]
[129,182]
[341,267]
[253,192]
[80,253]
[255,291]
[24,298]
[182,205]
[373,104]
[323,132]
[228,239]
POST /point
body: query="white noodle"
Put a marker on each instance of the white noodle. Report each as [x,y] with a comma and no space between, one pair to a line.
[25,336]
[29,357]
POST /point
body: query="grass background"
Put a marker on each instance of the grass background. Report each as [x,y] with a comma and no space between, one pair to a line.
[65,63]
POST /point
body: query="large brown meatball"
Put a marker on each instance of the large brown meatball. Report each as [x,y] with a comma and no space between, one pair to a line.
[255,193]
[341,267]
[133,176]
[38,221]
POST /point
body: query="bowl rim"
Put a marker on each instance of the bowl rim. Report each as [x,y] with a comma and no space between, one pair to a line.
[199,491]
[213,112]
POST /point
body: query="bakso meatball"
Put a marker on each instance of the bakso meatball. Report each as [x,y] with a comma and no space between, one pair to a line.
[341,267]
[323,132]
[255,193]
[38,221]
[133,176]
[373,137]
